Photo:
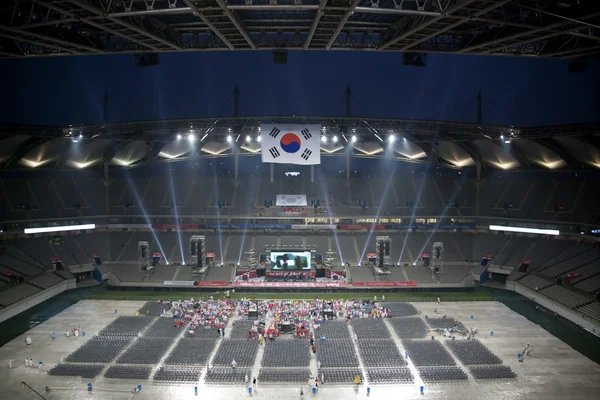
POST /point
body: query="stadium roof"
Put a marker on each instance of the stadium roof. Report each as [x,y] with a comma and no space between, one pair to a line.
[547,29]
[450,144]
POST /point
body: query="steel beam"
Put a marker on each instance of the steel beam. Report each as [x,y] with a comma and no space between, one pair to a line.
[91,22]
[425,24]
[397,11]
[48,46]
[557,25]
[458,23]
[575,53]
[315,23]
[345,19]
[210,25]
[50,39]
[128,25]
[239,26]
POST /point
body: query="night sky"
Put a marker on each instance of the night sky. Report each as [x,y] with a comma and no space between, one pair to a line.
[516,91]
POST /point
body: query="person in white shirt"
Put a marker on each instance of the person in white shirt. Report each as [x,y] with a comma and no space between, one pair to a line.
[28,341]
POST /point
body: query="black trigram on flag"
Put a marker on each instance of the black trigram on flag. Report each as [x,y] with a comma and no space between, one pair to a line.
[274,133]
[306,133]
[306,154]
[274,152]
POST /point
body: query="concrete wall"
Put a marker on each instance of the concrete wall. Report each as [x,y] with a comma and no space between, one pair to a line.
[560,309]
[29,302]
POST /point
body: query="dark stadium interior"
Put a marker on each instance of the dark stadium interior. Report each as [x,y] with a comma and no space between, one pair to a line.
[337,198]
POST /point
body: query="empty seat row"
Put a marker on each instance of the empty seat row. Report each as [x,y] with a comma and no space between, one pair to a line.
[565,296]
[243,351]
[286,353]
[389,376]
[472,352]
[336,353]
[380,353]
[442,374]
[101,349]
[127,326]
[427,352]
[283,375]
[366,328]
[17,293]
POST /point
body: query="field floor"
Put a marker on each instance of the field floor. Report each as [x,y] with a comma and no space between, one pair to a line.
[553,371]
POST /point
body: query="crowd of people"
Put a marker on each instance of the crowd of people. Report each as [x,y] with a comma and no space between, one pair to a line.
[202,314]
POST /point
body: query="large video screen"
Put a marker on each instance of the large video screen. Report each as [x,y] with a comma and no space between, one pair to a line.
[290,260]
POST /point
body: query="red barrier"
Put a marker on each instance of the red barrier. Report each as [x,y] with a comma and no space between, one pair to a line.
[291,284]
[248,274]
[175,226]
[210,283]
[384,284]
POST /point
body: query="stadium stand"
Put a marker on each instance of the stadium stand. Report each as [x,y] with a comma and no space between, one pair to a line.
[591,310]
[585,256]
[45,281]
[534,282]
[591,284]
[16,293]
[80,194]
[565,296]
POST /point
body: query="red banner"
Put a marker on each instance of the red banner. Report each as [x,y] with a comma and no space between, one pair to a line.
[328,273]
[292,284]
[371,255]
[157,254]
[175,226]
[285,274]
[210,255]
[385,284]
[360,227]
[210,283]
[487,257]
[248,274]
[95,255]
[424,255]
[526,262]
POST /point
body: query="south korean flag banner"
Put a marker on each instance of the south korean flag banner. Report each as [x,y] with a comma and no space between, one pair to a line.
[291,144]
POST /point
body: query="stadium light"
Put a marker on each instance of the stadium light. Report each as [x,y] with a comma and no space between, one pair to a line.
[66,228]
[554,232]
[345,138]
[378,137]
[335,139]
[324,139]
[192,138]
[354,138]
[248,138]
[204,137]
[258,139]
[179,136]
[229,139]
[392,138]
